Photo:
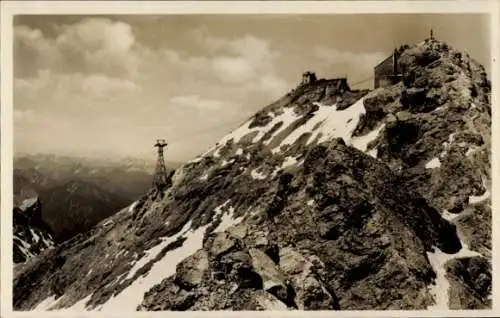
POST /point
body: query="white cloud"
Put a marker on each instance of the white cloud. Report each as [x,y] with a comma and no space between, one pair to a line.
[101,85]
[358,63]
[248,59]
[247,64]
[95,71]
[89,46]
[233,69]
[65,87]
[197,103]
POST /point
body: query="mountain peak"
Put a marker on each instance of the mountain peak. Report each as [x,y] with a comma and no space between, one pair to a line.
[329,198]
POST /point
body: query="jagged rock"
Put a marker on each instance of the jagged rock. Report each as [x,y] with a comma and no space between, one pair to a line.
[190,271]
[237,267]
[470,280]
[31,234]
[292,262]
[457,203]
[239,230]
[222,243]
[310,293]
[268,301]
[272,279]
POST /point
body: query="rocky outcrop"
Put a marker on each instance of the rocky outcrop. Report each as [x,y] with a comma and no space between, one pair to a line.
[470,280]
[31,234]
[311,204]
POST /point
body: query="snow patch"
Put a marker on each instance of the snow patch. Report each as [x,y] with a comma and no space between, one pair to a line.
[471,150]
[289,161]
[227,221]
[123,252]
[225,162]
[154,251]
[218,209]
[440,289]
[373,152]
[320,115]
[47,243]
[434,163]
[237,134]
[35,236]
[341,123]
[195,160]
[439,108]
[81,305]
[257,175]
[46,304]
[362,142]
[287,117]
[132,207]
[332,123]
[132,296]
[24,247]
[450,217]
[204,176]
[310,202]
[27,203]
[239,152]
[477,199]
[446,145]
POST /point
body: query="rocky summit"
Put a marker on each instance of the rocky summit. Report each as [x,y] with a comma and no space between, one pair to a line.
[327,199]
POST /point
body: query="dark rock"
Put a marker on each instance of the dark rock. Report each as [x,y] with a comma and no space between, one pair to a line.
[471,283]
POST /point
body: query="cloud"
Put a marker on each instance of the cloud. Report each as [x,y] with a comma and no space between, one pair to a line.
[102,86]
[233,70]
[244,60]
[246,64]
[198,103]
[93,45]
[94,78]
[357,64]
[70,88]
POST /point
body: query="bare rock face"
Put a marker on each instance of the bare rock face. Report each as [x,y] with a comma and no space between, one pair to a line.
[325,200]
[190,271]
[470,280]
[31,234]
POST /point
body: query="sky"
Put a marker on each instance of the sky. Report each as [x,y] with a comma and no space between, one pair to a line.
[101,86]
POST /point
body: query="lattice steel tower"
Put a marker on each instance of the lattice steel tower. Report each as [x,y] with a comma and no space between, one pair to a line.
[160,180]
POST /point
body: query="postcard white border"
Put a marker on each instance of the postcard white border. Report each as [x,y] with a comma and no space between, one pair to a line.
[10,8]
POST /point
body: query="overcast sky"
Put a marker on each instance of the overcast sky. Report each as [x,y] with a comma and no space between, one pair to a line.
[101,85]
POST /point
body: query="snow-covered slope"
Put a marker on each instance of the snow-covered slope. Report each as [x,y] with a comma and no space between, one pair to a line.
[307,205]
[31,234]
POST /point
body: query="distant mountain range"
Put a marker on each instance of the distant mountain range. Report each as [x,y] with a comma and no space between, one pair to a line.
[76,193]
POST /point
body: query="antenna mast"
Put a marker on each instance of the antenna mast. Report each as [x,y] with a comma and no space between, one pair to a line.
[160,180]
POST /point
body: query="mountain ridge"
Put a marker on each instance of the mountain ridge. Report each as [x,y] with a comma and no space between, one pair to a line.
[322,200]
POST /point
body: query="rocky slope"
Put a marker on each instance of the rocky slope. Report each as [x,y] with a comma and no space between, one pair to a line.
[323,200]
[31,234]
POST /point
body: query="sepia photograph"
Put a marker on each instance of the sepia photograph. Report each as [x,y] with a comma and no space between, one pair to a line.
[251,162]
